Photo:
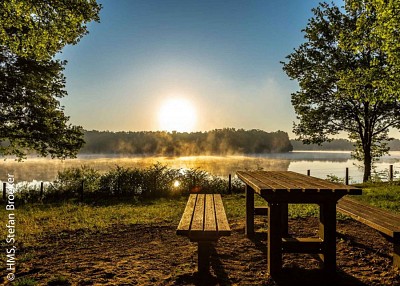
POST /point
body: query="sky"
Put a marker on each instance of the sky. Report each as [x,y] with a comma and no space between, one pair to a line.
[186,65]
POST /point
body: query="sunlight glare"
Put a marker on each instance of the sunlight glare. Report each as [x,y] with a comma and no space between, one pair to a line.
[177,114]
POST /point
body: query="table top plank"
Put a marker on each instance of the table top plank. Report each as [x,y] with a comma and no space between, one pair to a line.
[256,183]
[307,183]
[321,183]
[288,181]
[277,179]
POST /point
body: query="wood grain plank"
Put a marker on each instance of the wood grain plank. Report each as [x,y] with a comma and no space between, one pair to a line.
[222,221]
[253,182]
[198,215]
[186,220]
[352,202]
[210,224]
[322,183]
[381,220]
[288,181]
[297,180]
[271,179]
[371,212]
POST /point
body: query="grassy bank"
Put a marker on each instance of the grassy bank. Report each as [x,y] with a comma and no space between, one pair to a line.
[36,220]
[384,195]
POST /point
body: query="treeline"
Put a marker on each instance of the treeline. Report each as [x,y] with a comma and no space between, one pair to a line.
[227,141]
[338,145]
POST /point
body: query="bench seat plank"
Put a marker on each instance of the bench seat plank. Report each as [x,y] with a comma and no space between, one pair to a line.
[210,224]
[370,209]
[384,221]
[204,218]
[186,220]
[222,221]
[381,220]
[198,216]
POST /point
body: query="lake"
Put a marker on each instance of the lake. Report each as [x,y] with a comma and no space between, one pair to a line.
[320,164]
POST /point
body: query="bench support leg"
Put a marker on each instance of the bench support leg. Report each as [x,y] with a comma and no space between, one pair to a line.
[396,254]
[204,249]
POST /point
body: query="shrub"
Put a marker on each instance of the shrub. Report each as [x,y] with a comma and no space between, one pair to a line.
[141,183]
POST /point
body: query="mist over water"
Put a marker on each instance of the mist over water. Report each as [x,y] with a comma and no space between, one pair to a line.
[320,164]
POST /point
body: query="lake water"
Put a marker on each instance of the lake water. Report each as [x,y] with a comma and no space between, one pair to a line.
[320,164]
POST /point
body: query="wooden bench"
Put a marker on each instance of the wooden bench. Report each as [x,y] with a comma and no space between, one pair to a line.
[384,221]
[204,221]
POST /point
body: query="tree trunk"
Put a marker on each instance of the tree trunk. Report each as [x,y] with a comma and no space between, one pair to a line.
[367,163]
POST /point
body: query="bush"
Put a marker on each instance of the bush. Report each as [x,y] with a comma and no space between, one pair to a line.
[148,183]
[70,182]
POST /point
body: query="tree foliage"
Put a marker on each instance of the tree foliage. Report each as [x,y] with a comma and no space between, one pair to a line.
[39,29]
[32,81]
[344,73]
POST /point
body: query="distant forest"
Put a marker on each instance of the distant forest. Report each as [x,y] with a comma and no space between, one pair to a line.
[227,141]
[338,145]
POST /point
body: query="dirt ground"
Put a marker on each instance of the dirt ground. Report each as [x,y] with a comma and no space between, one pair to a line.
[155,255]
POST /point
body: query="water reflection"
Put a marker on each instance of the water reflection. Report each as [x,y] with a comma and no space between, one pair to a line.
[320,164]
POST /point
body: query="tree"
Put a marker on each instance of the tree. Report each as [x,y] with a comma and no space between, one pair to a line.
[32,81]
[385,34]
[38,29]
[343,71]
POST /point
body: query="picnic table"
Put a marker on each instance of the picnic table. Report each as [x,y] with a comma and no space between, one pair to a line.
[280,188]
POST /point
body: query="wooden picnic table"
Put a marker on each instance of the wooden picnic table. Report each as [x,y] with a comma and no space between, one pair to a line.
[280,188]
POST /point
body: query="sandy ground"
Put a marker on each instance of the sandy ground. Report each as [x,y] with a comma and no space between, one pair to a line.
[155,255]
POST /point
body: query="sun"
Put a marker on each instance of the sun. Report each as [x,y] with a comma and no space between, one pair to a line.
[177,114]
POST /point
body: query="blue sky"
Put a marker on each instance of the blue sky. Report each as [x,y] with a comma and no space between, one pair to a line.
[223,57]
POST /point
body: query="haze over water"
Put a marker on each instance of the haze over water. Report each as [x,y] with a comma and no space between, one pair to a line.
[320,164]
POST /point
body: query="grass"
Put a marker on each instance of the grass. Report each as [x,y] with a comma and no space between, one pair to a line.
[59,281]
[36,220]
[383,195]
[25,282]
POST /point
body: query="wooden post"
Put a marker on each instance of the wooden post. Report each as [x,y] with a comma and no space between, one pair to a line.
[391,173]
[347,176]
[41,191]
[4,191]
[308,173]
[82,187]
[230,184]
[249,228]
[119,185]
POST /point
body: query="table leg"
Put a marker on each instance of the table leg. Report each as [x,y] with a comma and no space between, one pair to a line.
[249,229]
[284,219]
[327,232]
[274,258]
